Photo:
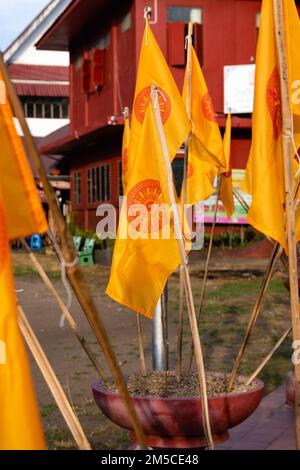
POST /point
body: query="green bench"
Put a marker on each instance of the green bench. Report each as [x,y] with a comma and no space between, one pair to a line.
[77,242]
[86,253]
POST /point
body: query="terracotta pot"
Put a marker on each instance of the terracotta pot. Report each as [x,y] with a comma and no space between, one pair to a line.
[177,422]
[290,388]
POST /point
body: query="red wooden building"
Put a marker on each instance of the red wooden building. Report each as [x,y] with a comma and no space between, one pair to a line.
[104,37]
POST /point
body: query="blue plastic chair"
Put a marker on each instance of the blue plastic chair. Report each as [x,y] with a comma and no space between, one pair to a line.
[36,242]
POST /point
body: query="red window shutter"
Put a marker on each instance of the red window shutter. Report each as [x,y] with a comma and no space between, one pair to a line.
[98,67]
[198,42]
[86,77]
[176,41]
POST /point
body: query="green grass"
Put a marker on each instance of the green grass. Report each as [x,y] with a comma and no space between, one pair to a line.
[59,438]
[20,271]
[243,287]
[48,410]
[227,309]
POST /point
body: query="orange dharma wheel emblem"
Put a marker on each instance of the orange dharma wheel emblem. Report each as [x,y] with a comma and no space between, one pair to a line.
[274,102]
[146,193]
[3,240]
[124,161]
[208,108]
[143,99]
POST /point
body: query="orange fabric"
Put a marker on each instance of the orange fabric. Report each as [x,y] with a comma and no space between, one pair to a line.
[23,210]
[20,424]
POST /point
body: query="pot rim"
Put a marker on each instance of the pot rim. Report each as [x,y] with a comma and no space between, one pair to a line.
[259,386]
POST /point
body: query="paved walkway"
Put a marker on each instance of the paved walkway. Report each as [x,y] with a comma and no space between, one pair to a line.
[271,427]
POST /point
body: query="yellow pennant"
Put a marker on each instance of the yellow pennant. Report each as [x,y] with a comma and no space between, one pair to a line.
[264,178]
[200,176]
[23,210]
[153,69]
[146,252]
[226,195]
[20,425]
[204,123]
[206,155]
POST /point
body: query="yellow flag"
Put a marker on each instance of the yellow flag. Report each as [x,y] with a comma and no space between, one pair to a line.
[226,195]
[205,146]
[264,178]
[200,176]
[20,426]
[125,149]
[146,256]
[204,123]
[153,69]
[23,210]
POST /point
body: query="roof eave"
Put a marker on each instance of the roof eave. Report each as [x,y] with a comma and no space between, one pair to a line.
[43,42]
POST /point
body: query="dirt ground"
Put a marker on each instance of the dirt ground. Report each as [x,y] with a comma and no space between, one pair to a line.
[231,293]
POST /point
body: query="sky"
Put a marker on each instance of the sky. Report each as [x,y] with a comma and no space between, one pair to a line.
[15,15]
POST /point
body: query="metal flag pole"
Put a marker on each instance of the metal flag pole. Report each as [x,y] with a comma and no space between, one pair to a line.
[158,356]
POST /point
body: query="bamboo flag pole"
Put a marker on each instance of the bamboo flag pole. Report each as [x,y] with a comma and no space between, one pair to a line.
[241,200]
[189,69]
[52,382]
[141,345]
[185,164]
[287,133]
[208,257]
[180,328]
[276,255]
[290,214]
[73,325]
[185,270]
[68,250]
[277,251]
[268,356]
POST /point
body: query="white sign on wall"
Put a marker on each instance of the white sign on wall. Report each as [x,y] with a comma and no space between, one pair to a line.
[239,88]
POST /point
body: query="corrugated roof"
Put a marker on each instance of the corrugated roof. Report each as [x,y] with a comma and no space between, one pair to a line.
[34,89]
[38,72]
[40,80]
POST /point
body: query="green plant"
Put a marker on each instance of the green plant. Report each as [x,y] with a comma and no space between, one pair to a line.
[76,231]
[232,238]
